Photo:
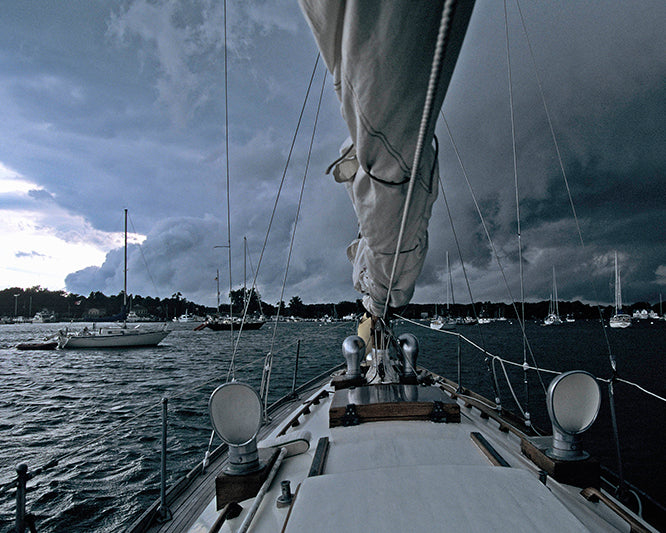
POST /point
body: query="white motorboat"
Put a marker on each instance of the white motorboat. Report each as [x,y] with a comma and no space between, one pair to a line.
[186,318]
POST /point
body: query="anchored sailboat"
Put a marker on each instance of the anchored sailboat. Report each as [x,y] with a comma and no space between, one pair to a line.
[619,318]
[230,322]
[445,322]
[553,318]
[116,336]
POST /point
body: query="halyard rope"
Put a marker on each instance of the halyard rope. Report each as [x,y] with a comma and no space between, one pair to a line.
[425,120]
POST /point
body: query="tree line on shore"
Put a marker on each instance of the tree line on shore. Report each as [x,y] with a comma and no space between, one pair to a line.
[17,302]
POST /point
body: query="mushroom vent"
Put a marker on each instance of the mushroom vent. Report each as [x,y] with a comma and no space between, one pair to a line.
[235,412]
[573,402]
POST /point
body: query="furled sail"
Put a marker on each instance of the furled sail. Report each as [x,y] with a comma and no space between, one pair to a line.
[380,55]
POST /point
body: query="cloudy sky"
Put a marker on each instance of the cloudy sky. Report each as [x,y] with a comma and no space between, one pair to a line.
[108,105]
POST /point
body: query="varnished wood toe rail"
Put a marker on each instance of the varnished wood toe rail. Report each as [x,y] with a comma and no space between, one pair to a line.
[593,494]
[305,409]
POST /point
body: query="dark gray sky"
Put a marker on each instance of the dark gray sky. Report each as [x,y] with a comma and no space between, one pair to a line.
[106,105]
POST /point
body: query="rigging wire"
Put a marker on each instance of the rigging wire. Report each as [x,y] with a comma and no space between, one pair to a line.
[526,387]
[433,82]
[611,356]
[462,263]
[226,158]
[491,243]
[266,378]
[272,217]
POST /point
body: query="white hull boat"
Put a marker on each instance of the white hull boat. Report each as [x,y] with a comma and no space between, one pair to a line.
[112,337]
[119,336]
[553,318]
[441,323]
[619,320]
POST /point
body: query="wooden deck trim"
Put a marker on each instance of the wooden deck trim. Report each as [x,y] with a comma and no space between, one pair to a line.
[391,401]
[594,495]
[506,420]
[304,410]
[319,459]
[488,450]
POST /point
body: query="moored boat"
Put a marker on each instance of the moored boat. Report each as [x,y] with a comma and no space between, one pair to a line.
[553,318]
[119,336]
[620,319]
[115,336]
[228,323]
[44,345]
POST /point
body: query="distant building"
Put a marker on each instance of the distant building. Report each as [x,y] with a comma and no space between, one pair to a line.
[94,312]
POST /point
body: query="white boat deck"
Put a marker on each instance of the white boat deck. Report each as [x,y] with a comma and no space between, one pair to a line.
[416,475]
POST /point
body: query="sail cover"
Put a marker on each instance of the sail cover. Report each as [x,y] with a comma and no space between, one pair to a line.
[380,55]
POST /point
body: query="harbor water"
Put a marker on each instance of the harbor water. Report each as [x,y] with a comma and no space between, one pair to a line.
[93,416]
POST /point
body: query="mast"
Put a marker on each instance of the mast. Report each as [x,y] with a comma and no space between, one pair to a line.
[217,279]
[448,286]
[125,271]
[556,309]
[618,289]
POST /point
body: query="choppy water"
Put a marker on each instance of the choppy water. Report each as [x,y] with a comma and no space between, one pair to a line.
[68,405]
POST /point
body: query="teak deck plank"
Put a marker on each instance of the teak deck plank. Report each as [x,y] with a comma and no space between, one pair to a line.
[392,402]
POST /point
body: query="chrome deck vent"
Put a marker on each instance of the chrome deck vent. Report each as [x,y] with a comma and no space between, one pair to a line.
[573,402]
[235,412]
[353,350]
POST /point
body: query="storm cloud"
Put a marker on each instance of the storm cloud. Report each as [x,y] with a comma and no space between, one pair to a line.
[111,105]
